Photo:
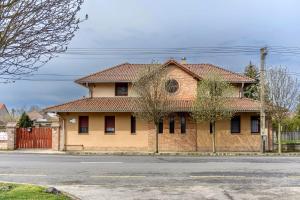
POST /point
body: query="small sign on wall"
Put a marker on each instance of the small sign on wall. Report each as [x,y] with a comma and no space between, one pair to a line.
[72,121]
[3,136]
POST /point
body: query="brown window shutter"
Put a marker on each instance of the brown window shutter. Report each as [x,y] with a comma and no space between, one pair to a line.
[109,124]
[83,124]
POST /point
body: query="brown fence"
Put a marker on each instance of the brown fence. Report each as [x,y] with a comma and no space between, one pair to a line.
[34,138]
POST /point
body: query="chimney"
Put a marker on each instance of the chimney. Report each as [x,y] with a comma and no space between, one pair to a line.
[183,60]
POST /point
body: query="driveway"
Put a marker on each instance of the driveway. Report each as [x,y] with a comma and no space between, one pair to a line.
[148,177]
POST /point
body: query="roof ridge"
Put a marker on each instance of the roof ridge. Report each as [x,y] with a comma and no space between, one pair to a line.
[224,69]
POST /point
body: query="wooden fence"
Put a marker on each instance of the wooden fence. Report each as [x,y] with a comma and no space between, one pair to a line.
[34,138]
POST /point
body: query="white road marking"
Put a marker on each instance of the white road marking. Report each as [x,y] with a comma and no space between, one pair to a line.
[38,175]
[217,177]
[296,177]
[118,176]
[101,162]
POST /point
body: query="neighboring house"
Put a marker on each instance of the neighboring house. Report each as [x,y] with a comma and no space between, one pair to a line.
[104,120]
[4,114]
[41,119]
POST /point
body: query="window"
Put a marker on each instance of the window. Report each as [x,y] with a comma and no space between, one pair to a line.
[182,123]
[255,124]
[236,124]
[109,124]
[172,86]
[210,127]
[171,124]
[133,124]
[161,126]
[83,124]
[121,89]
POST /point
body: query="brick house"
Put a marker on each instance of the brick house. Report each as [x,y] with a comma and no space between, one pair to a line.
[104,121]
[4,115]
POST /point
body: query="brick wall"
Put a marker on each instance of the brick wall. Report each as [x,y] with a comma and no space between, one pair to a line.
[177,141]
[200,139]
[226,141]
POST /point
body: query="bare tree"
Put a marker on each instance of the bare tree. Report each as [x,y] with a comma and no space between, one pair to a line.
[153,99]
[33,31]
[283,93]
[211,104]
[15,114]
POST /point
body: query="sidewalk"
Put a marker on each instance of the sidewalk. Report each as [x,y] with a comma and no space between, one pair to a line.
[124,153]
[34,151]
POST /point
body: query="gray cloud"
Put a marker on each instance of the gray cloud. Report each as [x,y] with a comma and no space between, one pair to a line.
[168,23]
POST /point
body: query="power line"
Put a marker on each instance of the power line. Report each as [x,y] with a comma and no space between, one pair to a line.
[72,80]
[127,53]
[193,52]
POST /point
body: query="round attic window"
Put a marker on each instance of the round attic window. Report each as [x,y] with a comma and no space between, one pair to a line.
[172,86]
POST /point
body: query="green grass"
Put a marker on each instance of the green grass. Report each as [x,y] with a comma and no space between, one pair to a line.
[28,192]
[290,142]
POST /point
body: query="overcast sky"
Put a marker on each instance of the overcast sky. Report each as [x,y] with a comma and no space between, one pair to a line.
[163,24]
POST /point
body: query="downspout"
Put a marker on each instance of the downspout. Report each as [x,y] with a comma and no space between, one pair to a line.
[242,90]
[58,145]
[90,90]
[63,127]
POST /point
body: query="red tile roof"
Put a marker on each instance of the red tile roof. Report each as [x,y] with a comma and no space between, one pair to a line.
[4,108]
[127,104]
[127,73]
[2,105]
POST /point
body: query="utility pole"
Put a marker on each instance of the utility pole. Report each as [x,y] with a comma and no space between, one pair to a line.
[263,54]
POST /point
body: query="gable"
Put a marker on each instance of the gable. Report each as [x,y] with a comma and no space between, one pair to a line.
[173,63]
[187,83]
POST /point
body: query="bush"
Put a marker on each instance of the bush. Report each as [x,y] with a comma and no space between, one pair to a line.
[25,121]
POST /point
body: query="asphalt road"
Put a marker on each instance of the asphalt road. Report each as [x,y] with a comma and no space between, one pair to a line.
[148,177]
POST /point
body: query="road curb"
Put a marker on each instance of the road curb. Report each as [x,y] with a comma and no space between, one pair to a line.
[196,154]
[124,153]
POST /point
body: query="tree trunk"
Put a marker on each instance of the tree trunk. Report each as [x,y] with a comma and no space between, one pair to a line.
[279,138]
[214,137]
[156,138]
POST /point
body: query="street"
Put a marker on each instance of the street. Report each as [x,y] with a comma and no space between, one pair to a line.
[157,177]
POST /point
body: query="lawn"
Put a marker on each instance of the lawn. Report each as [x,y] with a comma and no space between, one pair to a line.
[290,142]
[31,192]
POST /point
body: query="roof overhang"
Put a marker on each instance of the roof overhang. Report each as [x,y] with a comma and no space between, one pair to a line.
[128,104]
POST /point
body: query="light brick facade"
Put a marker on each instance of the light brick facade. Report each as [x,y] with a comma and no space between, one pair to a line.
[103,102]
[196,138]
